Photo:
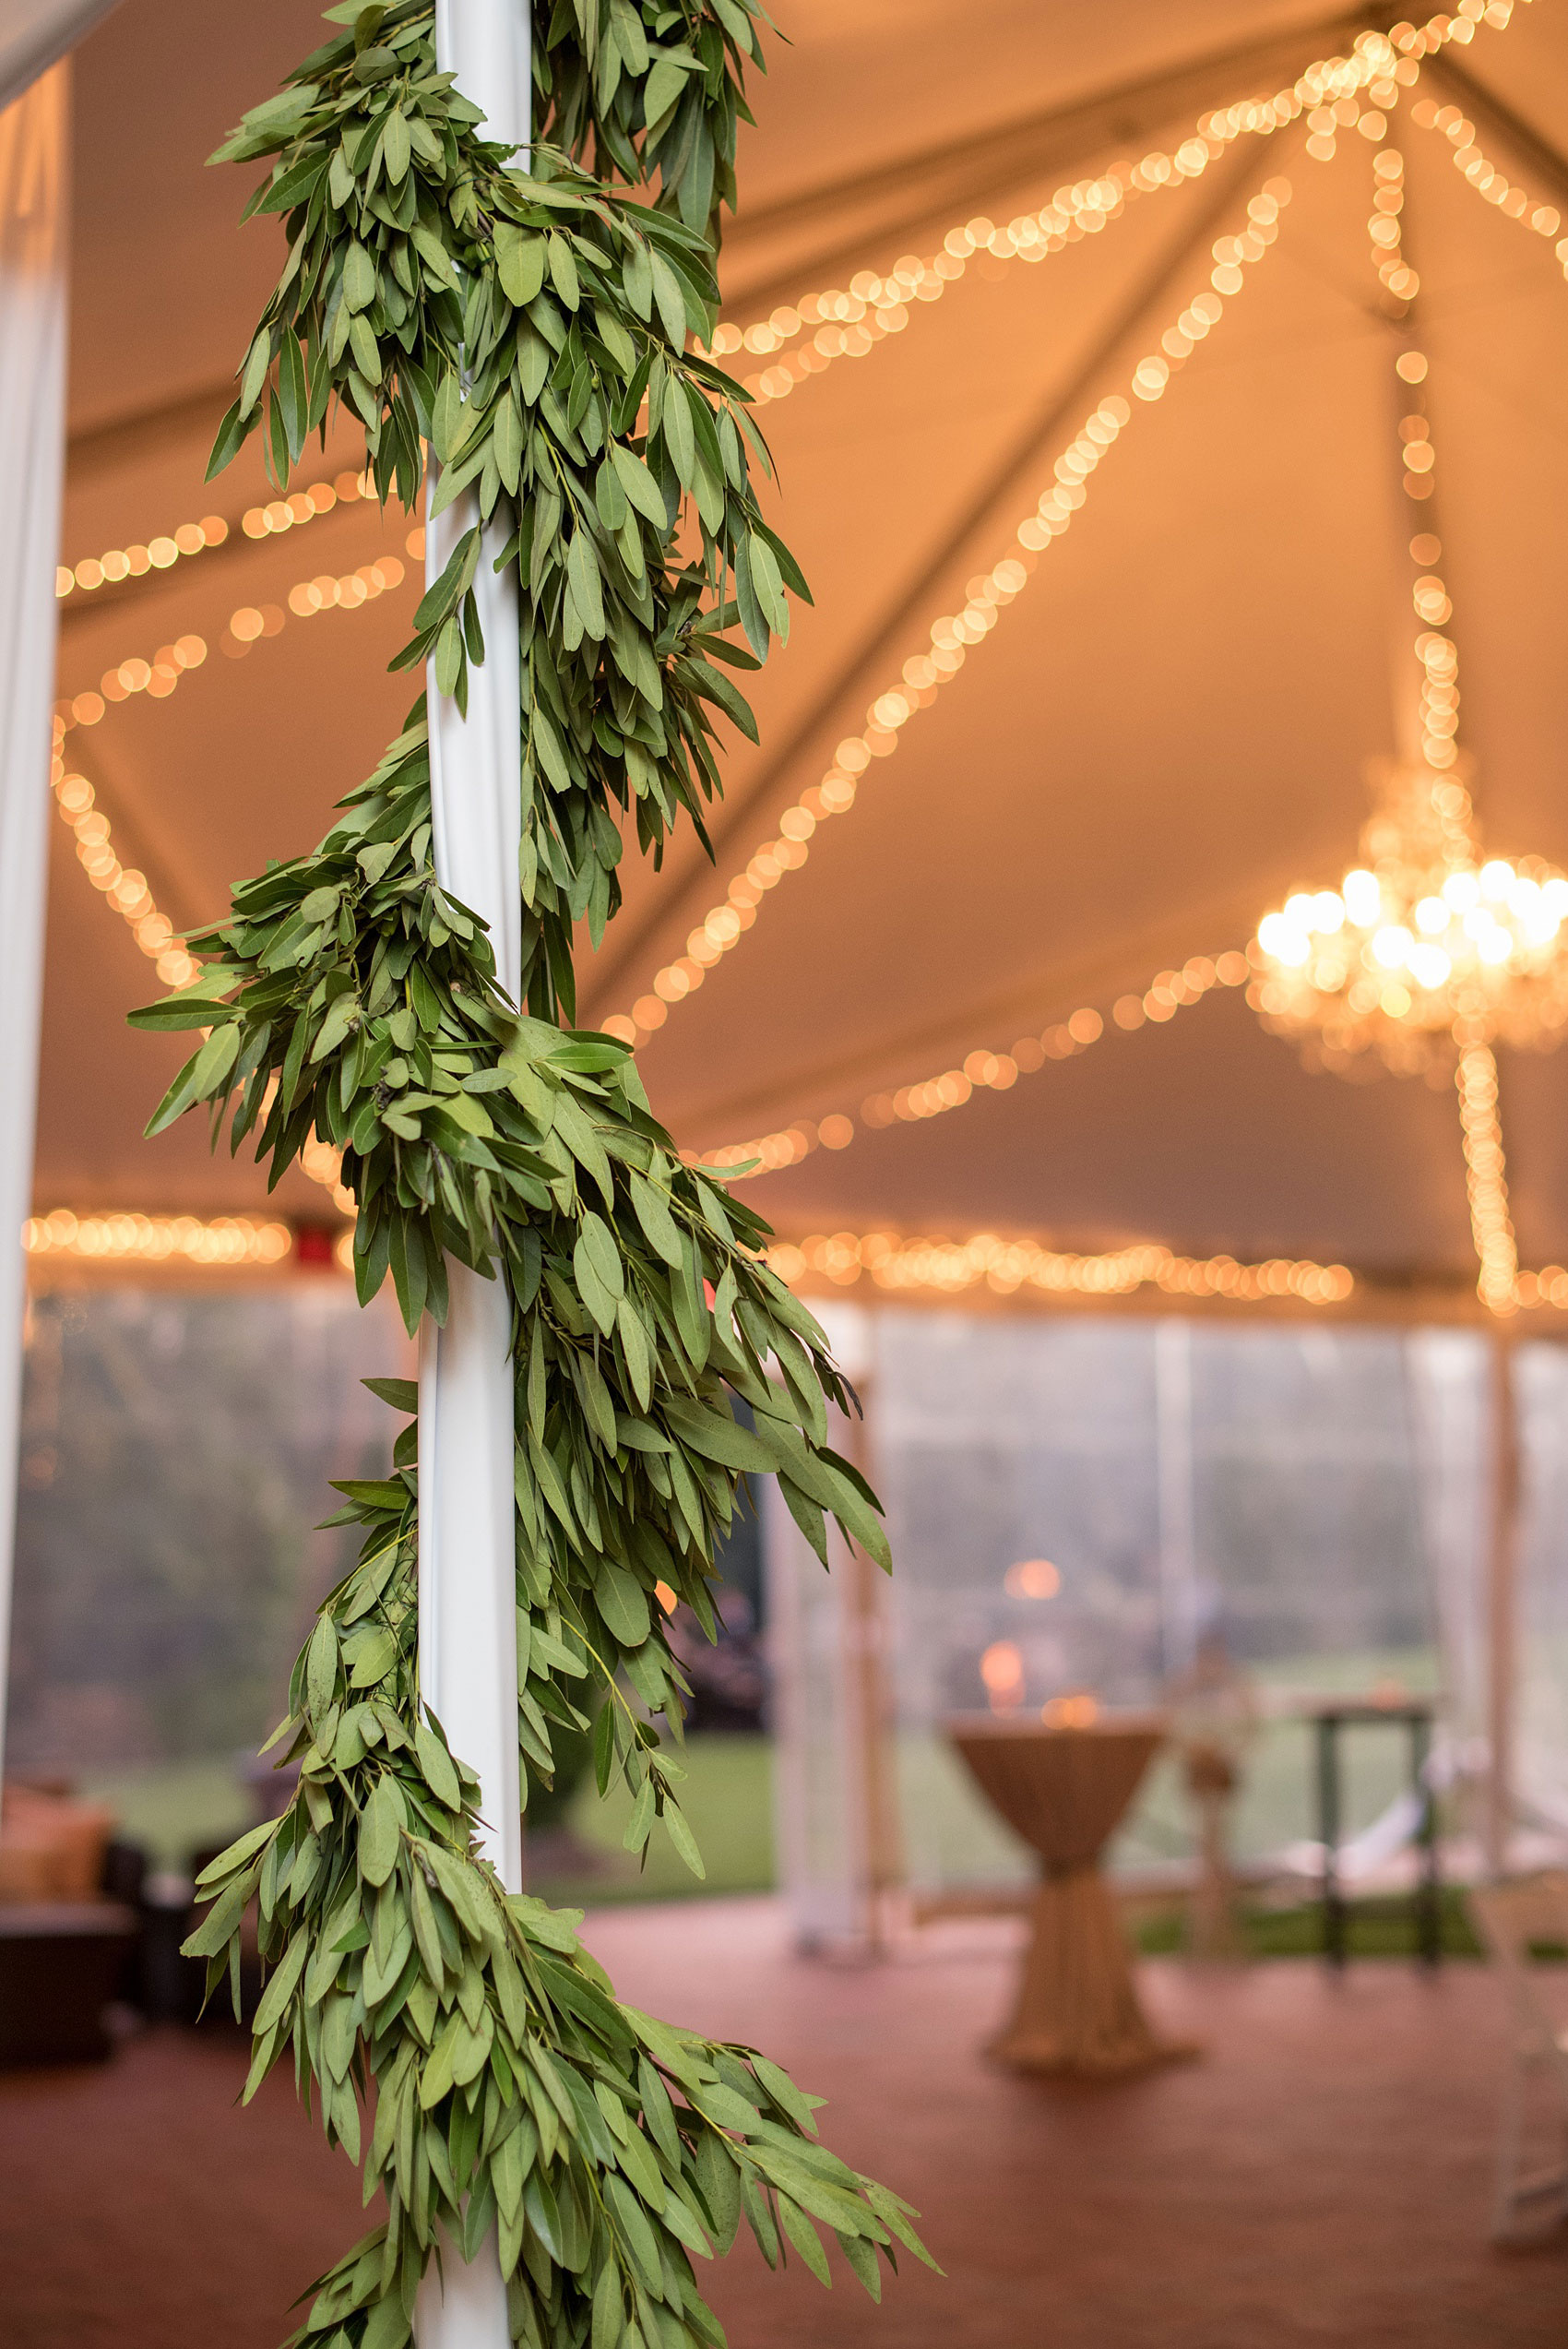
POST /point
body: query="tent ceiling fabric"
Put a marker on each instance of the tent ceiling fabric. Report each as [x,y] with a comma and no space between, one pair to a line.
[1169,728]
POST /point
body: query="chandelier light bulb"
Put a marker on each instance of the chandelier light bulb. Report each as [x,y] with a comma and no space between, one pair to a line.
[1424,946]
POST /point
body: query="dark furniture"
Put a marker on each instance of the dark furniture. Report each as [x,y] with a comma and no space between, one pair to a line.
[62,1962]
[1415,1717]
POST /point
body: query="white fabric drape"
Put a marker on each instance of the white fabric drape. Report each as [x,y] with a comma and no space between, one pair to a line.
[1451,1439]
[35,34]
[1541,1661]
[34,168]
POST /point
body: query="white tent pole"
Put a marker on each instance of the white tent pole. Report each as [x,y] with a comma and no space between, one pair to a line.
[468,1550]
[34,162]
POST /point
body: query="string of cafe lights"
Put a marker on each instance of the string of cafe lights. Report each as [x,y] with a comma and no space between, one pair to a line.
[124,888]
[1005,1267]
[1502,1285]
[161,675]
[1486,1179]
[121,563]
[840,324]
[848,324]
[1166,995]
[924,672]
[216,1242]
[1381,67]
[1425,942]
[1484,176]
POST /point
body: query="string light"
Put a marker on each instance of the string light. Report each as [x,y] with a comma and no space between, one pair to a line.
[159,676]
[1547,1287]
[322,1162]
[1484,176]
[122,563]
[849,324]
[1428,947]
[952,634]
[1395,273]
[122,886]
[1005,1267]
[1486,1185]
[127,889]
[984,1070]
[1379,67]
[1428,944]
[221,1240]
[133,561]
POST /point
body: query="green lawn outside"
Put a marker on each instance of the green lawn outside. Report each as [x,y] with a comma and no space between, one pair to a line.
[727,1796]
[178,1807]
[181,1808]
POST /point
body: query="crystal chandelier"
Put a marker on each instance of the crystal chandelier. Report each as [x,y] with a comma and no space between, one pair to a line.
[1426,945]
[1429,951]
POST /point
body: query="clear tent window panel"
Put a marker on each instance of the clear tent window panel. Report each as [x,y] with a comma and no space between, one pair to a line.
[1079,1503]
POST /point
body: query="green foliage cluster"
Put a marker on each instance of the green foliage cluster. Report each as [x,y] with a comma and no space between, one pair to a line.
[532,328]
[509,2087]
[364,1008]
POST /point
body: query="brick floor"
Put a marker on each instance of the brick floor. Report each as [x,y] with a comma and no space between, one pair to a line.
[1322,2174]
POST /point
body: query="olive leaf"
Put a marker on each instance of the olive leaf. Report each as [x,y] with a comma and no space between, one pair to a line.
[534,328]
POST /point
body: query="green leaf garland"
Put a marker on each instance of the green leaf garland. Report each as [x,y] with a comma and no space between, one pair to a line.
[532,330]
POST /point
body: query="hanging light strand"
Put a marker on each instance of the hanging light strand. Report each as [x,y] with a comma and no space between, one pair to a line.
[1336,95]
[122,886]
[982,1070]
[848,324]
[1428,947]
[1491,184]
[121,563]
[954,633]
[1007,1267]
[215,1241]
[161,675]
[1486,1184]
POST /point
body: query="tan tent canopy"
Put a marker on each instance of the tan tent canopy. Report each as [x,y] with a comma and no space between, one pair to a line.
[1169,727]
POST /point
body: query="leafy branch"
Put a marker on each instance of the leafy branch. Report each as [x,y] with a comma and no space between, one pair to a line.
[533,329]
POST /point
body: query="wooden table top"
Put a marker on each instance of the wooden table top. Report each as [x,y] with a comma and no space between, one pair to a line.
[1064,1788]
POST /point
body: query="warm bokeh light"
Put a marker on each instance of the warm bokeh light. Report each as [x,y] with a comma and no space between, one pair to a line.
[1002,1669]
[127,891]
[1427,945]
[1032,1578]
[1079,1711]
[1429,949]
[982,1070]
[220,1241]
[830,325]
[1486,1182]
[1007,1267]
[123,888]
[949,639]
[194,538]
[1484,176]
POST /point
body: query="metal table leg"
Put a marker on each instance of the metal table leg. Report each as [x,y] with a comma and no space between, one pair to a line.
[1329,1835]
[1429,1910]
